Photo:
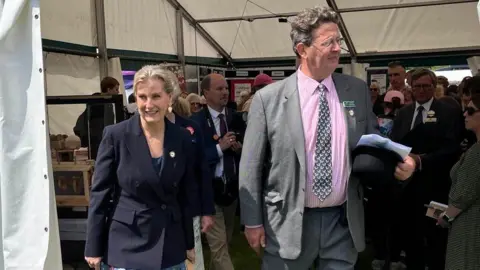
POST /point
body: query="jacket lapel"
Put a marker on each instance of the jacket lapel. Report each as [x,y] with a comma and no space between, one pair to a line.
[409,120]
[345,95]
[172,147]
[294,118]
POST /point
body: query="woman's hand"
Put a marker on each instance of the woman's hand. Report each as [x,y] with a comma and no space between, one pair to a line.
[191,255]
[94,262]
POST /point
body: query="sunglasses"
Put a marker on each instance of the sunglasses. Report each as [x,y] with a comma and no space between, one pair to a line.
[197,104]
[471,111]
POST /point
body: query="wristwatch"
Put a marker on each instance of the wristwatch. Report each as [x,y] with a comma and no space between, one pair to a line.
[446,218]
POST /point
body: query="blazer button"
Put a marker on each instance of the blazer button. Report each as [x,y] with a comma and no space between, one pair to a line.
[175,184]
[164,206]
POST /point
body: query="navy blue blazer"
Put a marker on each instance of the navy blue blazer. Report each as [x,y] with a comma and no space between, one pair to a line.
[131,204]
[202,170]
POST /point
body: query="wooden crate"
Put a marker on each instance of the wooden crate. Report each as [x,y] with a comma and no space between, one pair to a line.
[72,183]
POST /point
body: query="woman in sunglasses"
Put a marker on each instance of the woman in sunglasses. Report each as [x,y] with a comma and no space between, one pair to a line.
[463,212]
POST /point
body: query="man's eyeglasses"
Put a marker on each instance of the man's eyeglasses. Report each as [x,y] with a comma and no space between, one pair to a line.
[330,42]
[471,111]
[422,86]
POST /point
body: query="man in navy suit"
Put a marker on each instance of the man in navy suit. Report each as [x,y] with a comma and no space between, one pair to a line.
[222,129]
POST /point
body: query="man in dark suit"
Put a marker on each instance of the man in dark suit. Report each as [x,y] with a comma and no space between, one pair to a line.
[222,129]
[431,128]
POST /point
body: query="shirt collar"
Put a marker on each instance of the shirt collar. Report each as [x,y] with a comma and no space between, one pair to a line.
[214,113]
[426,106]
[310,85]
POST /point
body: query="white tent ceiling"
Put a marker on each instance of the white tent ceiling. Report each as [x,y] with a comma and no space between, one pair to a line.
[149,25]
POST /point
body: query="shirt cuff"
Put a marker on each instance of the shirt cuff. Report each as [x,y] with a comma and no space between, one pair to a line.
[254,226]
[219,151]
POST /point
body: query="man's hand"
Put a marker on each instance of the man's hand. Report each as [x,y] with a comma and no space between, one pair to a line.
[255,238]
[191,255]
[227,141]
[207,223]
[405,169]
[237,147]
[94,262]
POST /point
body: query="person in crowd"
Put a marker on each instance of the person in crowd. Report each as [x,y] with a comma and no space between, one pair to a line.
[244,96]
[91,123]
[464,92]
[408,97]
[131,108]
[443,81]
[463,212]
[381,202]
[223,130]
[195,102]
[180,115]
[376,98]
[439,91]
[260,82]
[143,191]
[305,127]
[431,128]
[408,77]
[396,76]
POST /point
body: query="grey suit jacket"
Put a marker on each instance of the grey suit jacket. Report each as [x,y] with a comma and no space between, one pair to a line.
[272,167]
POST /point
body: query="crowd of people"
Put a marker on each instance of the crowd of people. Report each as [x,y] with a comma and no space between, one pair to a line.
[293,168]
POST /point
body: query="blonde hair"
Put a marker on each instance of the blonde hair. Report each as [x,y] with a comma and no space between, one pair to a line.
[182,107]
[157,72]
[192,97]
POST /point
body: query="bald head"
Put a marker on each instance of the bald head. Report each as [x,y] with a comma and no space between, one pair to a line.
[215,89]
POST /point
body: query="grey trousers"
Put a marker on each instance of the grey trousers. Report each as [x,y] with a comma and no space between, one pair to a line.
[325,241]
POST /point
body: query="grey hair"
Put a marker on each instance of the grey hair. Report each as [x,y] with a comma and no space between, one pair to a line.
[306,22]
[158,72]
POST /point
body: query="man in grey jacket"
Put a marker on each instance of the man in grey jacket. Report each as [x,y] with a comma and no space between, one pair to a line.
[296,190]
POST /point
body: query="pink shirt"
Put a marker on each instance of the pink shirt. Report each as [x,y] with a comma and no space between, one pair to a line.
[309,99]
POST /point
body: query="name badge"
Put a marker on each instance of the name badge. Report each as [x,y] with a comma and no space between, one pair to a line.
[349,104]
[430,120]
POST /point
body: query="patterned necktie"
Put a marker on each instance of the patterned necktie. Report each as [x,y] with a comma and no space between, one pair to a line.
[322,172]
[228,161]
[419,117]
[223,124]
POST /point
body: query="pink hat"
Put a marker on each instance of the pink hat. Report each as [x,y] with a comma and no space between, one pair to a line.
[262,79]
[394,94]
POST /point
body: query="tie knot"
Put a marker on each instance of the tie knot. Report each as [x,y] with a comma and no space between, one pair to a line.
[322,88]
[221,116]
[420,108]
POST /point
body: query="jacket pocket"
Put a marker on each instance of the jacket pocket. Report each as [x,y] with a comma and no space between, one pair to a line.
[273,197]
[124,215]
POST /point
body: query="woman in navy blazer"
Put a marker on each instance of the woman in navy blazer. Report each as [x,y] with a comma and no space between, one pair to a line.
[143,190]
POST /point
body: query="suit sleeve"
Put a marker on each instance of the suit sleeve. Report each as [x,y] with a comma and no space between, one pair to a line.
[189,194]
[251,164]
[103,183]
[204,176]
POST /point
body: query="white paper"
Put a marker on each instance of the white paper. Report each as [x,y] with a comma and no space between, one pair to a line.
[199,264]
[378,141]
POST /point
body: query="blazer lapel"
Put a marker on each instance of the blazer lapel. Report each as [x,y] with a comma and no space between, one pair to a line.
[137,145]
[345,95]
[409,120]
[294,118]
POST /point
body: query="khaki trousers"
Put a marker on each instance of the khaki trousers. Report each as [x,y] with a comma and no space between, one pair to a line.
[220,236]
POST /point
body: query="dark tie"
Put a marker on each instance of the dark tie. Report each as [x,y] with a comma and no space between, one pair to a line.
[223,124]
[322,171]
[228,160]
[419,117]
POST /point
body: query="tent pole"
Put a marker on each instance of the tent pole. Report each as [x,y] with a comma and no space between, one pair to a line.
[180,41]
[340,10]
[101,38]
[189,18]
[343,29]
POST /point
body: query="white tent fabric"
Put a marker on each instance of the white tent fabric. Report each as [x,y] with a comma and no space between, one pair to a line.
[30,235]
[149,25]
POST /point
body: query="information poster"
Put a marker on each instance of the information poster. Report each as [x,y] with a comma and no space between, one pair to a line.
[238,86]
[380,76]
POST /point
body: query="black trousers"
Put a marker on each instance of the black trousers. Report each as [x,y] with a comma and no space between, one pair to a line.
[424,242]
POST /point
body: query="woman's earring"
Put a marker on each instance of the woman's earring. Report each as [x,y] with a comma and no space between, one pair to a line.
[170,109]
